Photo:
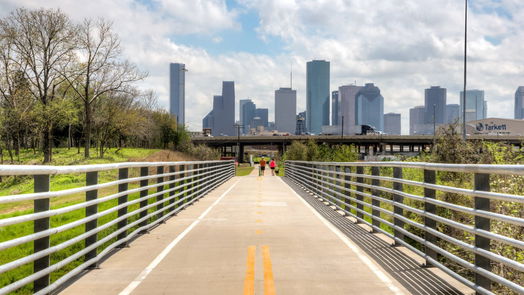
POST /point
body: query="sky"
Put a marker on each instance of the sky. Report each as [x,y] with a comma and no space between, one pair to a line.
[402,46]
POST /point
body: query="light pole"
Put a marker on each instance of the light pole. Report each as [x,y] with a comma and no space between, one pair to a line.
[465,69]
[434,122]
[342,131]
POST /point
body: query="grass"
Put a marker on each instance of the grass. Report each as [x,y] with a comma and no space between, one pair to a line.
[24,184]
[243,171]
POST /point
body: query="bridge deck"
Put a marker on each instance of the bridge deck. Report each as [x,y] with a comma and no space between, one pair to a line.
[253,235]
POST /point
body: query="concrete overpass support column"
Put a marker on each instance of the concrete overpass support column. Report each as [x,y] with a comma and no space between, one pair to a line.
[241,154]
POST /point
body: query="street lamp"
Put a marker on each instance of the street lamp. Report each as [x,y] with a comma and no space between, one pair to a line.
[465,69]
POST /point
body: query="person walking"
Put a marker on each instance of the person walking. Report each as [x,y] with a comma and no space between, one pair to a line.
[262,166]
[272,165]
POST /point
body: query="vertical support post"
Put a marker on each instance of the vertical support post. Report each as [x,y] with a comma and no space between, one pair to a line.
[430,177]
[398,199]
[347,179]
[159,189]
[360,179]
[41,184]
[172,186]
[123,173]
[482,184]
[191,179]
[181,183]
[337,176]
[375,171]
[91,179]
[144,171]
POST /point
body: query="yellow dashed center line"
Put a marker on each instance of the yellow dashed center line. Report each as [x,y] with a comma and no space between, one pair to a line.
[258,221]
[269,283]
[249,282]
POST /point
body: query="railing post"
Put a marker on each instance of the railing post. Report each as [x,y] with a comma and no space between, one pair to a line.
[347,185]
[398,199]
[337,176]
[482,184]
[159,189]
[144,171]
[191,179]
[430,177]
[91,179]
[360,179]
[41,184]
[182,183]
[123,173]
[171,186]
[375,171]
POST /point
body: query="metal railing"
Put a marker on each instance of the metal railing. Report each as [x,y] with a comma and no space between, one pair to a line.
[416,221]
[131,205]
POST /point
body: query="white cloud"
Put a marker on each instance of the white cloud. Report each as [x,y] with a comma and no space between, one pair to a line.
[401,46]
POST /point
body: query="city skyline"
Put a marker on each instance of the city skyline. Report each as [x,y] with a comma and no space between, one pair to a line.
[255,43]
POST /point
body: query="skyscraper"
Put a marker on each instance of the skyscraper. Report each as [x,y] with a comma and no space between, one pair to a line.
[223,114]
[317,95]
[335,109]
[262,115]
[347,95]
[452,113]
[476,107]
[177,101]
[285,109]
[435,105]
[370,107]
[519,103]
[301,123]
[248,113]
[392,123]
[416,121]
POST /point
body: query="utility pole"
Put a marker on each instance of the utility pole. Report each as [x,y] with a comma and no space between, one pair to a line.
[434,122]
[465,69]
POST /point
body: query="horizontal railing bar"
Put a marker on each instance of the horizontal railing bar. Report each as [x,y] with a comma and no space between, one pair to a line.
[458,225]
[29,238]
[54,194]
[8,170]
[55,212]
[443,188]
[466,168]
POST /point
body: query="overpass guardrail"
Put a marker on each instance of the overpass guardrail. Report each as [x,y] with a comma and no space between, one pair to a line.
[472,233]
[62,233]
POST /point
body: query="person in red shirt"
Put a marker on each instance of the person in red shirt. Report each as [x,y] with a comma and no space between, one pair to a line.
[272,165]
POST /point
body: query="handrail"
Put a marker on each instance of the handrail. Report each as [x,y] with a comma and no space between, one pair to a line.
[367,198]
[139,203]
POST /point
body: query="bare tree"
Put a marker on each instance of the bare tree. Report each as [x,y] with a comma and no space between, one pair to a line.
[100,70]
[43,43]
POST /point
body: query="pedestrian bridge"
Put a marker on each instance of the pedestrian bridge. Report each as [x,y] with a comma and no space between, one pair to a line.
[324,228]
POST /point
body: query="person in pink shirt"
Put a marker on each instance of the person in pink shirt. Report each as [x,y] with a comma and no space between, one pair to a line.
[272,165]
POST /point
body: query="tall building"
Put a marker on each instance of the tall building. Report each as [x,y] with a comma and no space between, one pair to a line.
[347,95]
[416,121]
[177,100]
[476,107]
[317,95]
[301,124]
[285,110]
[452,113]
[519,103]
[435,105]
[248,113]
[262,115]
[222,117]
[369,107]
[392,124]
[335,109]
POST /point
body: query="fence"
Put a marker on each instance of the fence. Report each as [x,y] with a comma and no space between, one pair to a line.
[53,241]
[418,215]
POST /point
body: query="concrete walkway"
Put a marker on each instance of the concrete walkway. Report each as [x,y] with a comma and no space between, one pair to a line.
[252,235]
